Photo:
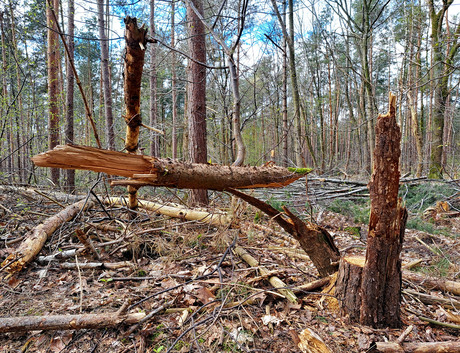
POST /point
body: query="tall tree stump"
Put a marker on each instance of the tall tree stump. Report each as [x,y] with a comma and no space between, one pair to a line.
[378,299]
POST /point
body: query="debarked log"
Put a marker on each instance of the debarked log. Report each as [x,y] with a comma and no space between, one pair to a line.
[36,238]
[146,170]
[67,322]
[177,211]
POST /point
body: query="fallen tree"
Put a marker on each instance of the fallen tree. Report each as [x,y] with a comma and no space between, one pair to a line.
[36,238]
[146,170]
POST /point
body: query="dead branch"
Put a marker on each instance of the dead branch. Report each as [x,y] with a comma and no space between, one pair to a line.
[432,283]
[37,237]
[67,322]
[274,281]
[415,347]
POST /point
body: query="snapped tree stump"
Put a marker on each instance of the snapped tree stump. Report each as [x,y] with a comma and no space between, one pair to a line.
[380,289]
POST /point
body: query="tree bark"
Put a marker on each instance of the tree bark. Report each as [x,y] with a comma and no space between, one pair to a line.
[67,322]
[381,282]
[36,238]
[69,131]
[315,240]
[165,172]
[196,106]
[442,70]
[53,80]
[106,76]
[154,143]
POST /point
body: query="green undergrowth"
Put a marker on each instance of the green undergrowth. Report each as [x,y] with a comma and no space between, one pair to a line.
[416,198]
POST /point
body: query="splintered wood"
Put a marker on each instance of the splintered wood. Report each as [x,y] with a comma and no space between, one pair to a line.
[167,172]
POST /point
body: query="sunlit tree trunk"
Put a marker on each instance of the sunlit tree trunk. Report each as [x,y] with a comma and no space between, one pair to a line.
[69,131]
[53,81]
[154,148]
[442,69]
[196,106]
[106,76]
[173,82]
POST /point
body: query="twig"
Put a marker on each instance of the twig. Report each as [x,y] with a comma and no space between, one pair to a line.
[406,333]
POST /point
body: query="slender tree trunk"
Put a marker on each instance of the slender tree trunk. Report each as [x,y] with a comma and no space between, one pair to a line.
[69,131]
[53,80]
[197,94]
[173,83]
[154,147]
[106,76]
[136,41]
[6,126]
[284,97]
[442,69]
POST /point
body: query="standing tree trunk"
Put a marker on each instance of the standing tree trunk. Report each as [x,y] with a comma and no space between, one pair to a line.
[284,98]
[370,290]
[196,106]
[154,143]
[69,131]
[106,76]
[134,64]
[53,80]
[173,82]
[442,68]
[299,139]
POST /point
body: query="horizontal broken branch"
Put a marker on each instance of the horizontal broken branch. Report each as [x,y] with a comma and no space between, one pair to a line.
[167,172]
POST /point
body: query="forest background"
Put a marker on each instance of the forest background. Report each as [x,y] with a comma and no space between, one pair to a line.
[341,57]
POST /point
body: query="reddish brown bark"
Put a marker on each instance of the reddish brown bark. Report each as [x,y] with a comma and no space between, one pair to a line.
[53,81]
[134,64]
[315,240]
[197,94]
[166,172]
[381,282]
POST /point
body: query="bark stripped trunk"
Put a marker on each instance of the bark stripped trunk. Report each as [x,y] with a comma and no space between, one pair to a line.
[197,94]
[134,64]
[381,282]
[166,172]
[53,80]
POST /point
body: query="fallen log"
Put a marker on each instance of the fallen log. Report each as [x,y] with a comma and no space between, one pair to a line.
[177,211]
[67,322]
[146,170]
[415,347]
[36,238]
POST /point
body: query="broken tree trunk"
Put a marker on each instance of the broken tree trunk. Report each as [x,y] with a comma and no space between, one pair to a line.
[315,240]
[153,171]
[377,298]
[68,322]
[136,40]
[36,238]
[381,283]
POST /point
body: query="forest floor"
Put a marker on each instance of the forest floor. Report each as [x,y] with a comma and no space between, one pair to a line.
[209,300]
